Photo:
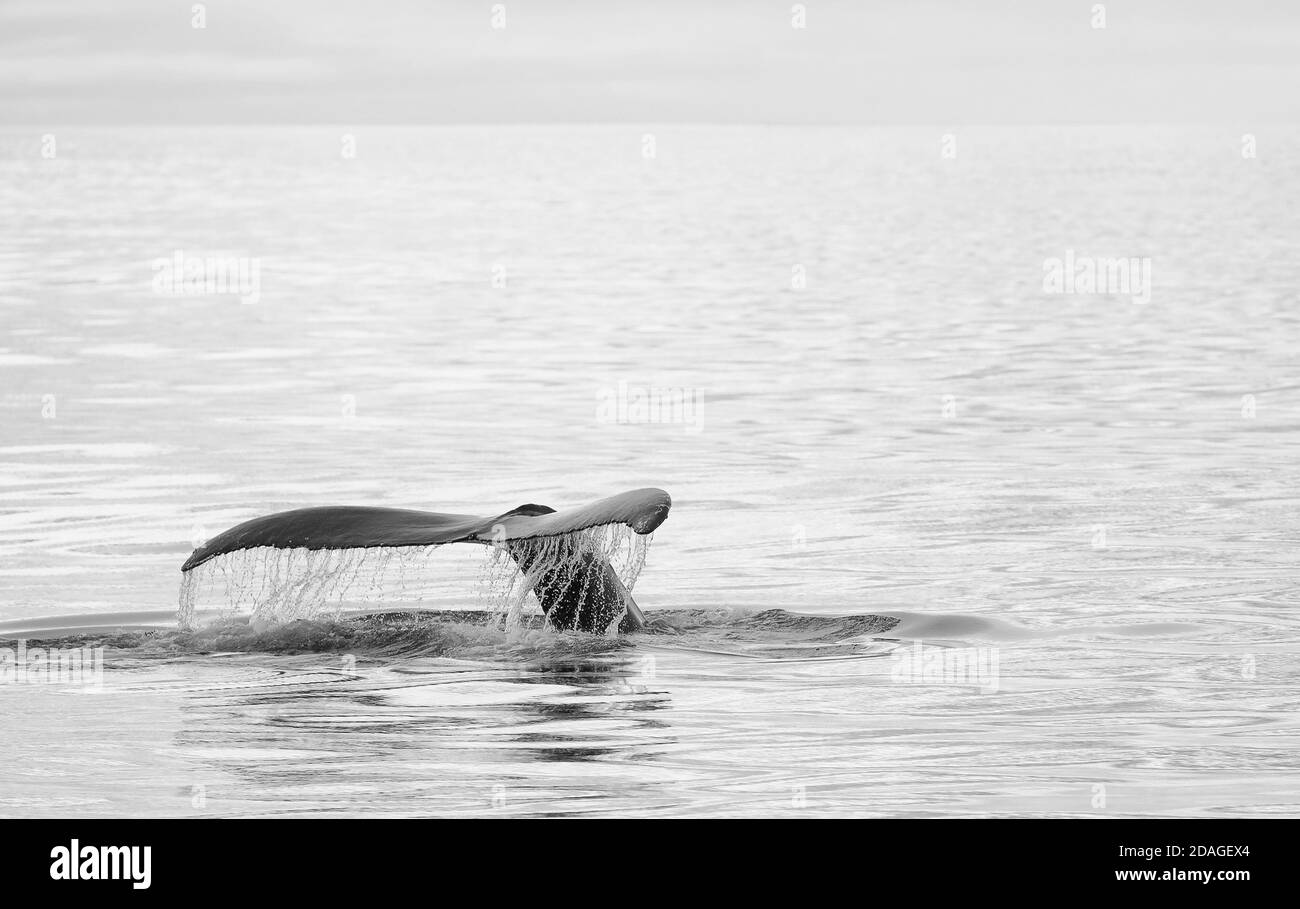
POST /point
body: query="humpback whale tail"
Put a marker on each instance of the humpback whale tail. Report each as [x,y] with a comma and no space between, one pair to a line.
[580,563]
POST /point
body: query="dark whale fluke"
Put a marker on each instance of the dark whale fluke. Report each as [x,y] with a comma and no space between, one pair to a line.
[573,580]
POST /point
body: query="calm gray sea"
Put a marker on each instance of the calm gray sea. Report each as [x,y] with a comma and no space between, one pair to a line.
[1082,507]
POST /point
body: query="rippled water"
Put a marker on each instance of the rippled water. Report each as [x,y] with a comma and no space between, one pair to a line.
[901,441]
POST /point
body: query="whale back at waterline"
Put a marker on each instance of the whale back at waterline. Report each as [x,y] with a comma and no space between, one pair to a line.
[563,566]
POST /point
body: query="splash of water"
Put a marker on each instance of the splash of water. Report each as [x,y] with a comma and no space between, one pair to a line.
[277,586]
[281,585]
[588,570]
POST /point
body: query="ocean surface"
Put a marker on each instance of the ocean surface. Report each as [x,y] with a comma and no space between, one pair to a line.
[945,541]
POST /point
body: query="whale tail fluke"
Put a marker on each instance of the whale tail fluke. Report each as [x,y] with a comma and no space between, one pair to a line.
[580,563]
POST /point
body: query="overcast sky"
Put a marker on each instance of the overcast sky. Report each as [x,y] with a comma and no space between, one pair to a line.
[733,61]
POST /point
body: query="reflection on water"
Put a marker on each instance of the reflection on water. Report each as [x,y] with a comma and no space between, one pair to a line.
[1100,494]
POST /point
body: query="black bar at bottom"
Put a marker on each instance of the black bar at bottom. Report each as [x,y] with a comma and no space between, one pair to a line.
[330,858]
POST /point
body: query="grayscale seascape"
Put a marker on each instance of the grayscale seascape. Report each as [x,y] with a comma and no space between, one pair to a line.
[960,527]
